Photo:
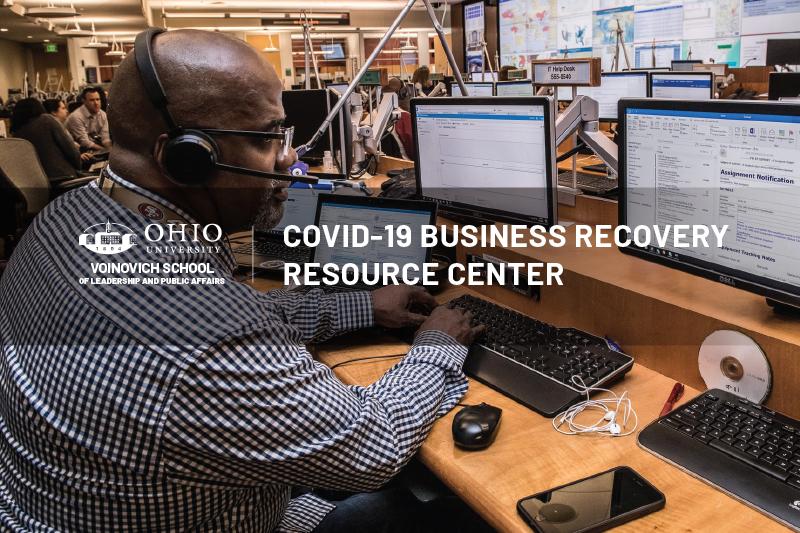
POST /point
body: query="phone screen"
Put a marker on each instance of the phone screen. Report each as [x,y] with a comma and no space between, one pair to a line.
[589,502]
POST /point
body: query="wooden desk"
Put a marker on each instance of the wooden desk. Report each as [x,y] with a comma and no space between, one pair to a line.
[530,456]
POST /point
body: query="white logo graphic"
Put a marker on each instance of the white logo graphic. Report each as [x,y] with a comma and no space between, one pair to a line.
[107,242]
[795,505]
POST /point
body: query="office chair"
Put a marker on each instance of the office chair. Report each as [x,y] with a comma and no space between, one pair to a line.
[31,190]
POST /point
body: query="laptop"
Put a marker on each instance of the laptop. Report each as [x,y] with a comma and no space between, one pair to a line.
[375,213]
[267,250]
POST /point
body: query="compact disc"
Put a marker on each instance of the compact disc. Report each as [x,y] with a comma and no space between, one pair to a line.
[732,361]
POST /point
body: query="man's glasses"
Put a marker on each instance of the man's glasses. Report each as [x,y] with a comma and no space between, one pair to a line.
[285,135]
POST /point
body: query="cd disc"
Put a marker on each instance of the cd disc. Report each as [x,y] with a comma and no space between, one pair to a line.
[732,361]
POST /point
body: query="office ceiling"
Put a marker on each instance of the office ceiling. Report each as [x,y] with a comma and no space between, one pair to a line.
[124,18]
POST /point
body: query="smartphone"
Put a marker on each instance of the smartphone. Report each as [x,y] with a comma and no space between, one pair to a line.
[596,503]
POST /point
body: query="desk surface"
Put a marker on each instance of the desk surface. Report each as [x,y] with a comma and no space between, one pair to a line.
[529,456]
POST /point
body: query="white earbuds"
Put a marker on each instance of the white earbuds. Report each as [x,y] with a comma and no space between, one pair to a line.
[616,412]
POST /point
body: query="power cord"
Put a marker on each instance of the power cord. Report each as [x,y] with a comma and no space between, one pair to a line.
[616,411]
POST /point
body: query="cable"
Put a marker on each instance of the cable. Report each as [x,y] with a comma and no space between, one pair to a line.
[608,424]
[358,359]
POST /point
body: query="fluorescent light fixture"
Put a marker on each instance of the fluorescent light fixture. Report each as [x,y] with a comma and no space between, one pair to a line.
[316,53]
[51,11]
[93,42]
[271,47]
[116,49]
[3,29]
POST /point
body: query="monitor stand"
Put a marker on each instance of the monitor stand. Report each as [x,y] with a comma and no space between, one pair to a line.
[783,308]
[464,219]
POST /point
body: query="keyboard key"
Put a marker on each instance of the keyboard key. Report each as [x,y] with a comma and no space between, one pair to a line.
[782,464]
[702,437]
[750,460]
[727,439]
[740,444]
[794,481]
[754,451]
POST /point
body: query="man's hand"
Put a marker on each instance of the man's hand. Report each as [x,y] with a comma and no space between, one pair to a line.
[400,306]
[453,322]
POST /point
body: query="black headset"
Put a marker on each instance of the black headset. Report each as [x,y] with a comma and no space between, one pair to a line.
[190,155]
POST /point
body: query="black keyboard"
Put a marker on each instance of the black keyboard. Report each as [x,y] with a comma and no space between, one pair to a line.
[276,250]
[743,448]
[533,362]
[589,183]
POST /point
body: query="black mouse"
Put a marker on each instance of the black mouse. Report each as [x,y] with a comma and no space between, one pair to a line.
[475,426]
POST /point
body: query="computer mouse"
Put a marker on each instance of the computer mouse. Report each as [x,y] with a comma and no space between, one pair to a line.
[475,426]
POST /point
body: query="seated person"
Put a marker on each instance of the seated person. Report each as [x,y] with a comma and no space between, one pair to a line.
[57,108]
[422,81]
[198,407]
[57,152]
[88,124]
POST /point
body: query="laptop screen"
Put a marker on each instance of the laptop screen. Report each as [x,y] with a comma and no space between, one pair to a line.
[375,214]
[300,207]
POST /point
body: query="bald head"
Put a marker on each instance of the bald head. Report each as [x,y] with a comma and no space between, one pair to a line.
[211,81]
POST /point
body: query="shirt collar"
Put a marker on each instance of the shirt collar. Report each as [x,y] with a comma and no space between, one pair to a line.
[227,253]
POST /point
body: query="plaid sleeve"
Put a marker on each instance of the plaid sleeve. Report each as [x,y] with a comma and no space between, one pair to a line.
[320,316]
[256,409]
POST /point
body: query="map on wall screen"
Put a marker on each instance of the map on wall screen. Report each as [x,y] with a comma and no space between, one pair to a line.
[527,27]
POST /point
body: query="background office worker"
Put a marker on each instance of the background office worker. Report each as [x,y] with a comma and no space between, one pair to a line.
[88,124]
[197,407]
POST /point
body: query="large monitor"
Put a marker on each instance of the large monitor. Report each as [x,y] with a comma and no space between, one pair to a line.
[717,163]
[514,88]
[474,88]
[305,110]
[484,76]
[783,51]
[784,85]
[682,85]
[613,86]
[487,158]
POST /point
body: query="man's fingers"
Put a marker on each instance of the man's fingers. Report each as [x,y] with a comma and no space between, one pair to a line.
[423,297]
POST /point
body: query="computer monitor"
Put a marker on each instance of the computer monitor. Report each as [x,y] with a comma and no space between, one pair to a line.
[335,210]
[337,86]
[487,159]
[613,86]
[784,85]
[719,69]
[484,76]
[305,110]
[474,88]
[682,85]
[684,65]
[514,88]
[333,51]
[783,51]
[723,162]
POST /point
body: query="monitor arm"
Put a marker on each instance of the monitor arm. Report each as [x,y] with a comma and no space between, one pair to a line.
[582,117]
[367,137]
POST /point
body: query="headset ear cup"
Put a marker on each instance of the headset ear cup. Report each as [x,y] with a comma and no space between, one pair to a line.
[190,157]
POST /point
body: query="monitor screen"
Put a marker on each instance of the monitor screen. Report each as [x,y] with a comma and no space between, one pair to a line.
[475,88]
[489,159]
[682,85]
[332,51]
[718,163]
[682,65]
[376,214]
[784,85]
[484,76]
[300,206]
[339,87]
[614,86]
[783,51]
[514,88]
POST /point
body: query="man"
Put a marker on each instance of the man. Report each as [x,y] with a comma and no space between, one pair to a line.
[88,124]
[195,407]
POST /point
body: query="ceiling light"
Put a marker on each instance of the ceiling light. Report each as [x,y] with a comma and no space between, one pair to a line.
[3,29]
[116,49]
[93,42]
[51,11]
[30,36]
[47,40]
[75,31]
[271,47]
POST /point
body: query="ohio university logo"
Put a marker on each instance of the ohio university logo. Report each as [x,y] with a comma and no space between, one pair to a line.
[107,240]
